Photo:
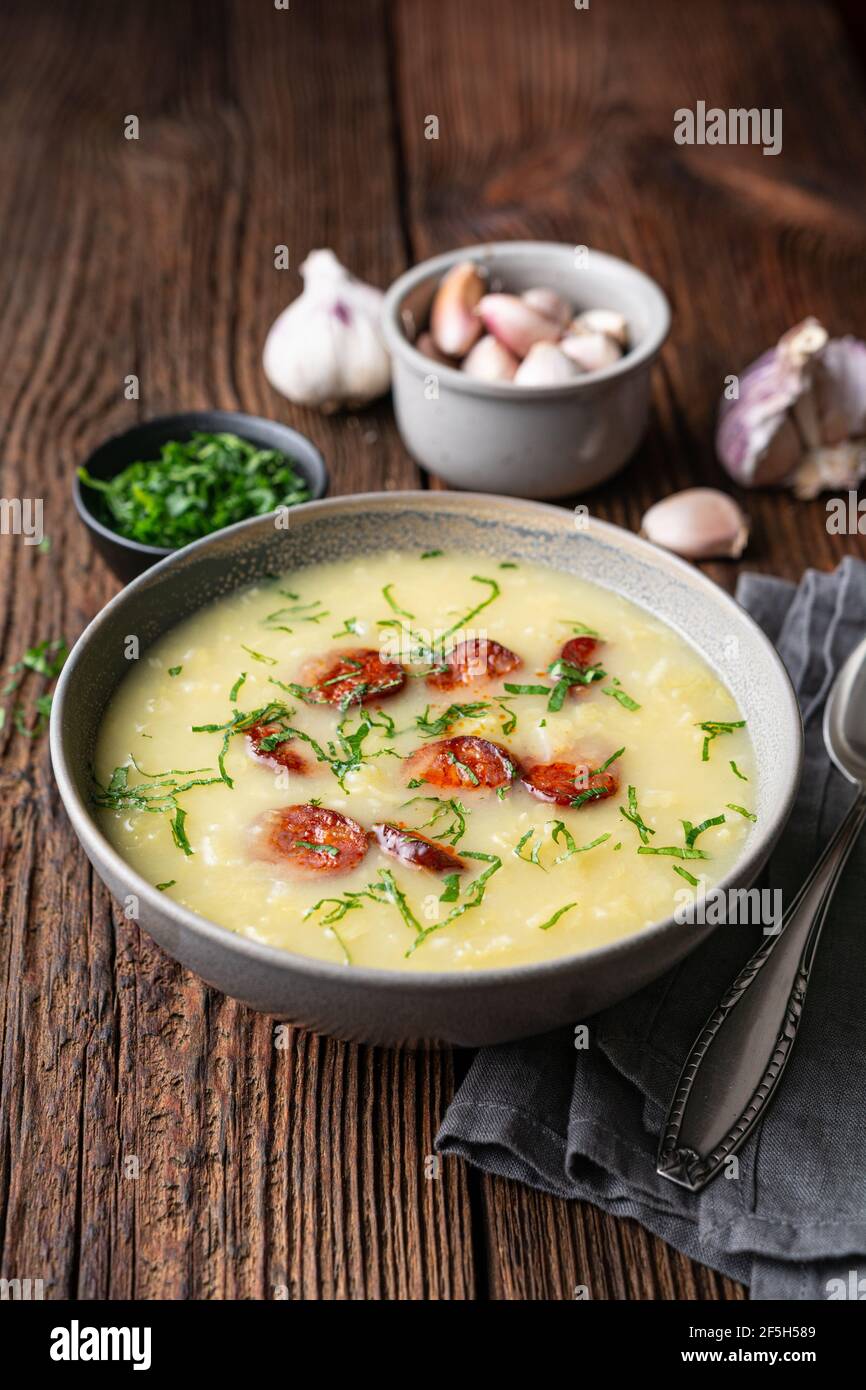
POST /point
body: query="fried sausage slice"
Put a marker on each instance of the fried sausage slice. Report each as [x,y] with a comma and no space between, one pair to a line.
[563,783]
[358,676]
[414,849]
[283,754]
[579,651]
[312,840]
[477,659]
[466,762]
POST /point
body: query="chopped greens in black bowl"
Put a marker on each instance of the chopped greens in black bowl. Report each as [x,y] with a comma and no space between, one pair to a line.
[173,480]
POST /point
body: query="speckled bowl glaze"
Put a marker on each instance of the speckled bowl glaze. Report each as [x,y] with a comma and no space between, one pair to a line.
[383,1006]
[551,441]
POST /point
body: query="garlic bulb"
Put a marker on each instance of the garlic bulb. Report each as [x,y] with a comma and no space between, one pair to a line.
[545,365]
[800,418]
[490,360]
[326,349]
[699,523]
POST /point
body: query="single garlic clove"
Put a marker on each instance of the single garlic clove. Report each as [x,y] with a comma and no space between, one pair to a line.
[515,323]
[490,360]
[700,523]
[453,323]
[591,351]
[545,365]
[606,321]
[424,343]
[549,303]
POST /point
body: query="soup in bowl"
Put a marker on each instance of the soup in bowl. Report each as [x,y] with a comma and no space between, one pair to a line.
[426,767]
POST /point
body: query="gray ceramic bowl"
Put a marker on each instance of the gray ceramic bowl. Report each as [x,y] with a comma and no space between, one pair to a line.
[384,1006]
[552,441]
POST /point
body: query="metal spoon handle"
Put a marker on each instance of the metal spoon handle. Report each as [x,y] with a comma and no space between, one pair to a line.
[735,1064]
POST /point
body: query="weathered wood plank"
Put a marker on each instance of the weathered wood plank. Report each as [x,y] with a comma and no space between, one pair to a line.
[258,1169]
[557,123]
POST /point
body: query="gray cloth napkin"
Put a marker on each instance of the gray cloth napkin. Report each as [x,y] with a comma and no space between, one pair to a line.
[585,1123]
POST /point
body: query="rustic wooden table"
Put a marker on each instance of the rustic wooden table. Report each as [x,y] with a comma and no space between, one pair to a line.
[262,126]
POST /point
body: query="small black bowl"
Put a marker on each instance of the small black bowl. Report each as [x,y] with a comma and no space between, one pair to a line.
[128,558]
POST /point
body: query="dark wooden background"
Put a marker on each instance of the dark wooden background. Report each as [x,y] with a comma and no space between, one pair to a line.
[258,126]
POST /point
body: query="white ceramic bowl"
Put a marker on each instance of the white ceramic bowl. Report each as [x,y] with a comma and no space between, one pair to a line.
[551,441]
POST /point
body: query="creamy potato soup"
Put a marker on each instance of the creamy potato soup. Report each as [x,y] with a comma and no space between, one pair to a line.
[426,762]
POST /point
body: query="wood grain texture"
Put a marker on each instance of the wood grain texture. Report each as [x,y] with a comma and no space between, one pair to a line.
[265,1169]
[557,123]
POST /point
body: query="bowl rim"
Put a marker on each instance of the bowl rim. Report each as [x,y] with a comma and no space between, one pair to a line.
[745,869]
[182,421]
[599,261]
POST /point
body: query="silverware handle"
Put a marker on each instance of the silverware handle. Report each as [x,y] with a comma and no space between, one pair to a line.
[736,1062]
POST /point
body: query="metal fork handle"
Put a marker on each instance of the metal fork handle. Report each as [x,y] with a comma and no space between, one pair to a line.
[738,1058]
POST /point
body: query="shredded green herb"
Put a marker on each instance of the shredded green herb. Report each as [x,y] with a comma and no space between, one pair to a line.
[157,792]
[394,605]
[45,659]
[161,887]
[451,892]
[259,656]
[455,829]
[633,815]
[737,773]
[606,764]
[431,554]
[294,612]
[473,897]
[235,690]
[551,921]
[691,832]
[509,723]
[175,670]
[495,591]
[684,873]
[559,833]
[565,676]
[580,629]
[432,728]
[712,728]
[741,810]
[673,850]
[196,486]
[615,690]
[350,628]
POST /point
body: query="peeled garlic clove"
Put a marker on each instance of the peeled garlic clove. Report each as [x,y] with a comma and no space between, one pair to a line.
[545,365]
[490,360]
[606,321]
[515,323]
[327,349]
[761,434]
[700,523]
[425,344]
[591,351]
[453,322]
[549,303]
